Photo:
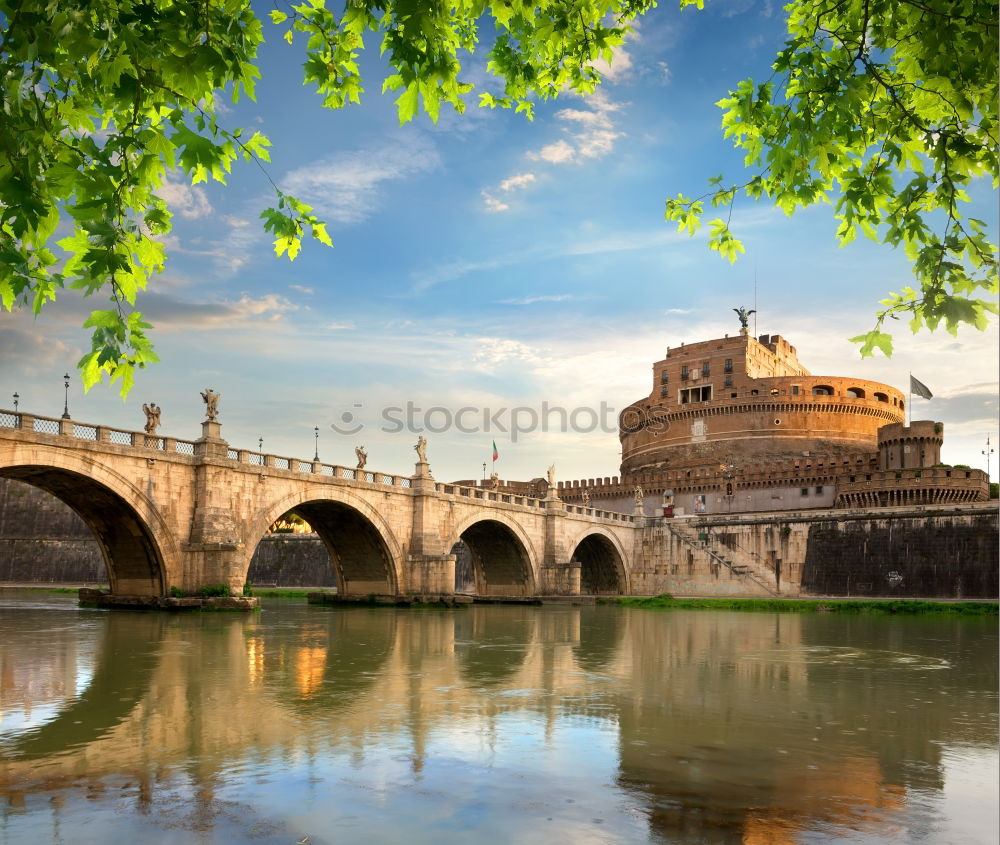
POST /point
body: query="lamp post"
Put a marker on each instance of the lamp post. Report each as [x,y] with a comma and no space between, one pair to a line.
[484,473]
[65,413]
[316,453]
[988,451]
[16,397]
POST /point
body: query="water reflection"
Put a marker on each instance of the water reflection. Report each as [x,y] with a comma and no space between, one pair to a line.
[500,723]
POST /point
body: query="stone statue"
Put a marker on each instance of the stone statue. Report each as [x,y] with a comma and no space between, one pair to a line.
[586,498]
[744,316]
[362,456]
[152,412]
[639,496]
[421,449]
[495,480]
[551,472]
[211,403]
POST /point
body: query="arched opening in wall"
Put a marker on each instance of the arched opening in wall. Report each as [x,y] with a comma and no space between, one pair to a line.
[855,393]
[499,560]
[880,397]
[465,572]
[132,560]
[602,571]
[822,390]
[343,548]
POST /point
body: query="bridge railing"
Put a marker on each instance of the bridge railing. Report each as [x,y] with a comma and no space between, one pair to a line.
[122,437]
[268,461]
[614,516]
[486,495]
[93,432]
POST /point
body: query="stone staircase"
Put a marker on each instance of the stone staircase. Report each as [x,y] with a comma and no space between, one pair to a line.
[738,561]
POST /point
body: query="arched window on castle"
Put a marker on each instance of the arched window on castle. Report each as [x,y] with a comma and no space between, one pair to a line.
[855,393]
[822,390]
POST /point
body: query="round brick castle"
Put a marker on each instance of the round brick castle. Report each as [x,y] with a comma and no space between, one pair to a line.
[737,424]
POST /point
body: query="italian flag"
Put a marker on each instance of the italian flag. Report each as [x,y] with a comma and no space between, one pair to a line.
[496,454]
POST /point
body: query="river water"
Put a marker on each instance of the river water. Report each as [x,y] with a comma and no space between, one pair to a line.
[493,724]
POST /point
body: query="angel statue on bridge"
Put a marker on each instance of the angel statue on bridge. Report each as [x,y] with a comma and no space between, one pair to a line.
[421,449]
[362,456]
[211,403]
[744,316]
[152,412]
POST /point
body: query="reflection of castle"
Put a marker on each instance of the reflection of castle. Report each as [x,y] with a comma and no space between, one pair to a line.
[737,424]
[720,727]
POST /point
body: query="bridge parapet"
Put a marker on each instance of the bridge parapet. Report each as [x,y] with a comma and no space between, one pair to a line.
[94,433]
[597,513]
[486,495]
[143,442]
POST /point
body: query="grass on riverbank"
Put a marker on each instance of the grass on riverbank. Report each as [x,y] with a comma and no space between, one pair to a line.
[905,607]
[283,593]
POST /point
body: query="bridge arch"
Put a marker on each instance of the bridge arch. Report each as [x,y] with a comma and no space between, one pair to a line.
[139,550]
[364,552]
[504,560]
[603,569]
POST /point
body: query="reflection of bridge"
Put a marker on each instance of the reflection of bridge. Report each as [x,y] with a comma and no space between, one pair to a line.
[725,727]
[186,514]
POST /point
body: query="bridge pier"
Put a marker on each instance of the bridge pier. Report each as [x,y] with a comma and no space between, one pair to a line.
[561,579]
[212,555]
[560,575]
[431,575]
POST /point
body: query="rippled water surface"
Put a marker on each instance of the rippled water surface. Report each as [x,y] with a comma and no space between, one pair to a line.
[494,724]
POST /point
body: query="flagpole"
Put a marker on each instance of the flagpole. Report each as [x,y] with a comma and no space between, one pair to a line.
[909,407]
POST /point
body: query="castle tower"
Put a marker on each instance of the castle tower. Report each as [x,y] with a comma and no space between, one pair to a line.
[913,446]
[748,400]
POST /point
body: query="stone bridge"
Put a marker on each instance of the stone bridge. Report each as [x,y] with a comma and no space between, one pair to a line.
[179,513]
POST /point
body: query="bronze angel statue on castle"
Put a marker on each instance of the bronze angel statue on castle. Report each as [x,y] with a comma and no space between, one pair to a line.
[744,316]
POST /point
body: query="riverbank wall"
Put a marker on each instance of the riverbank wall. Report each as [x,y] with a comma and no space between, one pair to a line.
[917,552]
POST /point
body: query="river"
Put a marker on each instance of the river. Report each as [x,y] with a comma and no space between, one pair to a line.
[494,724]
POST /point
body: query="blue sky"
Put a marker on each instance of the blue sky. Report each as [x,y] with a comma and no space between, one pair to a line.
[492,262]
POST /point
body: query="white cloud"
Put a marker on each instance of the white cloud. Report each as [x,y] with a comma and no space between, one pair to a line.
[558,152]
[167,312]
[590,134]
[598,143]
[302,289]
[511,183]
[492,203]
[344,187]
[521,180]
[189,201]
[620,67]
[491,351]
